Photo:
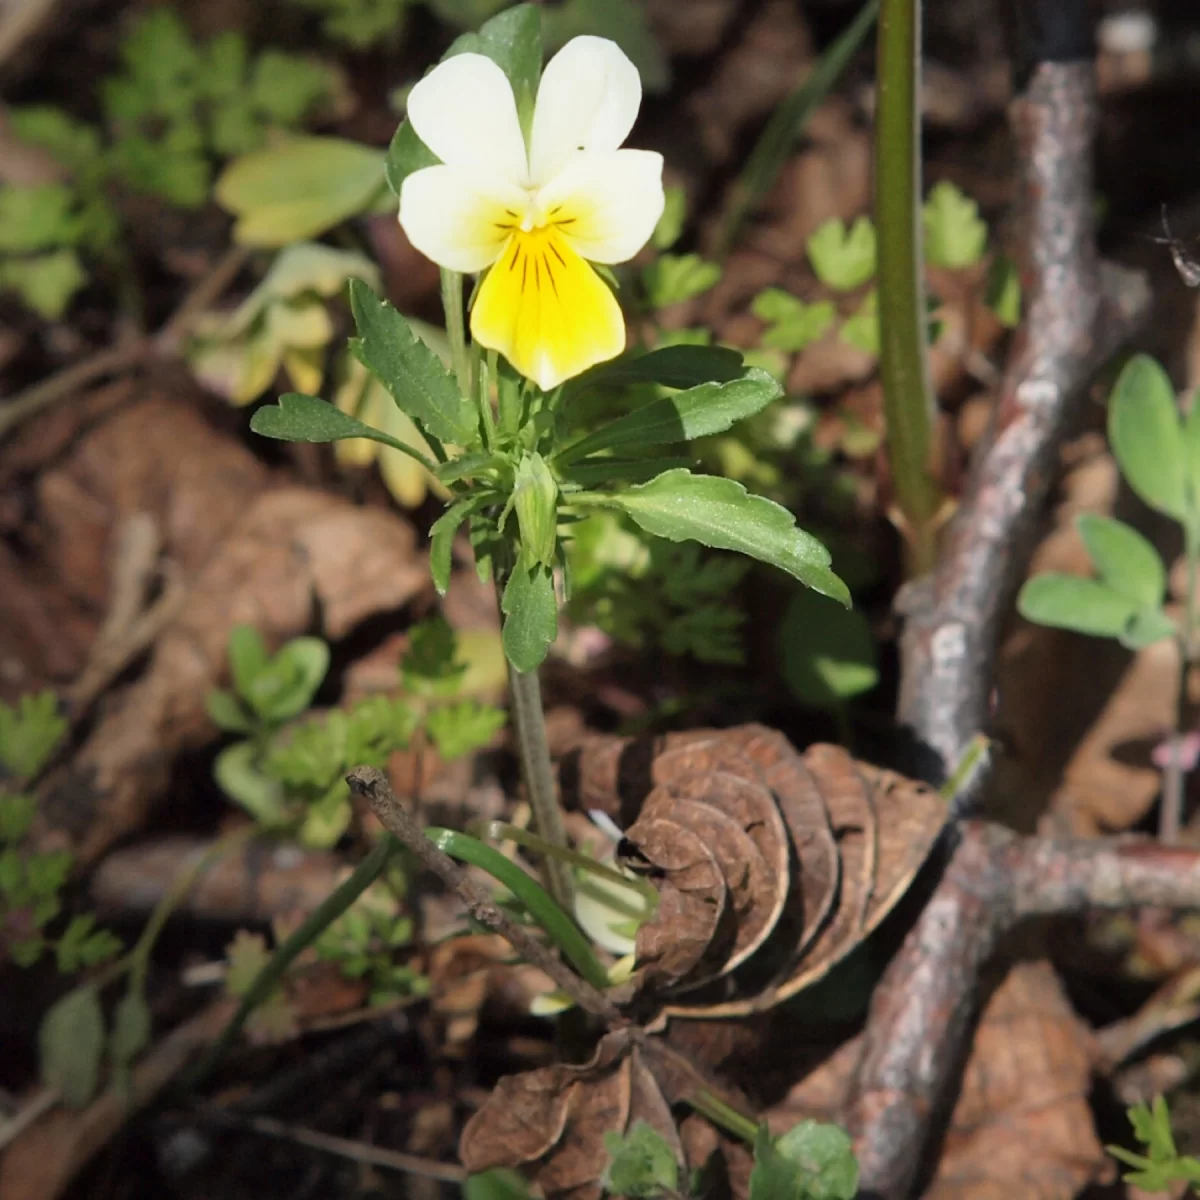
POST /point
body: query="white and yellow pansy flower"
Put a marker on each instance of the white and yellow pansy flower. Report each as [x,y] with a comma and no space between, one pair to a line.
[536,214]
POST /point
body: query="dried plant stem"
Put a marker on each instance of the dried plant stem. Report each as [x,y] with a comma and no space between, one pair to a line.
[1170,815]
[371,785]
[529,723]
[359,1152]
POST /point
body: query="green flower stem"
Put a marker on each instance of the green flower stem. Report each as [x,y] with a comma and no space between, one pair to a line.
[903,359]
[456,333]
[1170,816]
[503,831]
[529,723]
[485,369]
[560,928]
[324,915]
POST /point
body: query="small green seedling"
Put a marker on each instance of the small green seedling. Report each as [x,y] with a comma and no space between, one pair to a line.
[1162,1165]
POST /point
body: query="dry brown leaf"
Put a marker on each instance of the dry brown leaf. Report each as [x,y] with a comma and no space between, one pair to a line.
[807,853]
[294,555]
[1022,1125]
[553,1120]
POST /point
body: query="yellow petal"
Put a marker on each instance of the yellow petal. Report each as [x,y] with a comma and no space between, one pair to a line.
[356,398]
[546,310]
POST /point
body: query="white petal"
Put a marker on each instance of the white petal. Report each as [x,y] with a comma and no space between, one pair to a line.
[606,205]
[588,100]
[465,112]
[459,218]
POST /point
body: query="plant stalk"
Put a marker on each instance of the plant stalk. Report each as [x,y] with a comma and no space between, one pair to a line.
[529,723]
[903,360]
[1170,814]
[456,332]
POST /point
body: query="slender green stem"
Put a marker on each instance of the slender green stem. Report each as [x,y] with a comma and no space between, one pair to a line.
[529,723]
[1170,816]
[484,370]
[265,982]
[503,831]
[456,333]
[139,956]
[903,360]
[722,1114]
[557,925]
[973,758]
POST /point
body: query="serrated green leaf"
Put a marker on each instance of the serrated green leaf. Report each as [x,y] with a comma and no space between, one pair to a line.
[674,278]
[46,283]
[299,188]
[530,610]
[827,652]
[824,1155]
[843,258]
[955,237]
[410,371]
[1147,437]
[1071,602]
[861,328]
[83,945]
[774,1175]
[71,1043]
[683,366]
[1124,559]
[30,730]
[793,325]
[698,412]
[720,513]
[17,812]
[642,1163]
[458,729]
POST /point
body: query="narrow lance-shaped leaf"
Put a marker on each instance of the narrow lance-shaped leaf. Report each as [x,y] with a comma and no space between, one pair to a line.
[673,366]
[698,412]
[441,538]
[720,513]
[301,418]
[410,371]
